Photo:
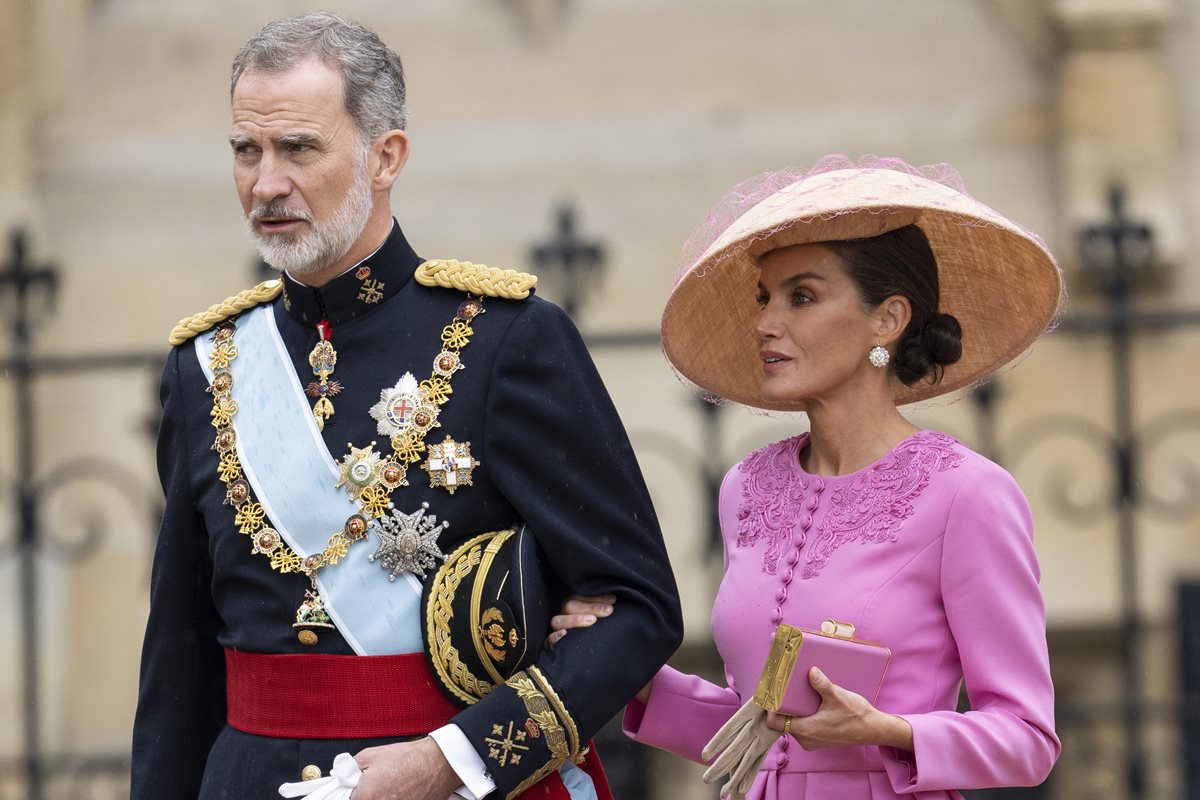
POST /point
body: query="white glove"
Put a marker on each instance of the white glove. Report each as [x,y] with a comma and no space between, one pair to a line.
[342,780]
[742,742]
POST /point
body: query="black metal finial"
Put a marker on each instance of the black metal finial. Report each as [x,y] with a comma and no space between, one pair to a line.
[20,276]
[568,259]
[1119,247]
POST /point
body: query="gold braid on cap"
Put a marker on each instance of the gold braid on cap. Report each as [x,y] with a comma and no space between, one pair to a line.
[476,279]
[197,324]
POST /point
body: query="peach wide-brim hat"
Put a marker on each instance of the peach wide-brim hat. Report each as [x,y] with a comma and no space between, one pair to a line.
[999,280]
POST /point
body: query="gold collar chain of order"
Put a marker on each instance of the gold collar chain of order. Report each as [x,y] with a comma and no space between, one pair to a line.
[371,483]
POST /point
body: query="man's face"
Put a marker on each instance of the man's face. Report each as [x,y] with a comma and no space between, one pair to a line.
[300,170]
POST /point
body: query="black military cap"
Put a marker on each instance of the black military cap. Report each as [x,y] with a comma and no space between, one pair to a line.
[486,613]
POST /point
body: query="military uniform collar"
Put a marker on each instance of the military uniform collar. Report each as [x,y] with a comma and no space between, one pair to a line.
[358,291]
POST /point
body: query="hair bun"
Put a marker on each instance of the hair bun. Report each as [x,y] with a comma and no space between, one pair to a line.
[942,337]
[927,352]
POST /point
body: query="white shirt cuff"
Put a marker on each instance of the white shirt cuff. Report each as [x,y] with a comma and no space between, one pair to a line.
[465,762]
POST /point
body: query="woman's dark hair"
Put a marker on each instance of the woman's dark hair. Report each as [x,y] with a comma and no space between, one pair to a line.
[901,262]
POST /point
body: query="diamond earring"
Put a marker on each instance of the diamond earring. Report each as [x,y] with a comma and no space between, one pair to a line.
[879,356]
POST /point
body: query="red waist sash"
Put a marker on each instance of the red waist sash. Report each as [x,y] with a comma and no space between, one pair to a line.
[302,696]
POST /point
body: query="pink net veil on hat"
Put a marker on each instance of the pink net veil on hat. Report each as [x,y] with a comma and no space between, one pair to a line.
[752,191]
[832,201]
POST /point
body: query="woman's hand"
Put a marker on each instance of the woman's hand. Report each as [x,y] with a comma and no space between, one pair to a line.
[582,611]
[843,718]
[579,611]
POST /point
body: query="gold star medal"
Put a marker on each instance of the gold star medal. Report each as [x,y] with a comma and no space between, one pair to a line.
[359,469]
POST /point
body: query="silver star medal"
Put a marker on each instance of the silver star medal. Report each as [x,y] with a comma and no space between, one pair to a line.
[408,542]
[403,406]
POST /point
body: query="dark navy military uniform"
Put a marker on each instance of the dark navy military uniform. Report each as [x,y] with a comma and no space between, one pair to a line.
[551,453]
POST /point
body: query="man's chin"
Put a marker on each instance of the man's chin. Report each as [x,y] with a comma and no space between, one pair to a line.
[289,263]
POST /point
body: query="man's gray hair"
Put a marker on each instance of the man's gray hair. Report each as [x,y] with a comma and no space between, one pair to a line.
[372,75]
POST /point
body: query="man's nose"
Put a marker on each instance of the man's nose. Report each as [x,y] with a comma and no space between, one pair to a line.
[272,181]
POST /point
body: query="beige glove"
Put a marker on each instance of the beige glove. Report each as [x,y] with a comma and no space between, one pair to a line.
[742,742]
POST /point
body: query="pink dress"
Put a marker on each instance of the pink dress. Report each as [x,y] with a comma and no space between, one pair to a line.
[928,551]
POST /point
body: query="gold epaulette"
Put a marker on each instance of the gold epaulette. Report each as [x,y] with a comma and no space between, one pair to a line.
[477,279]
[196,324]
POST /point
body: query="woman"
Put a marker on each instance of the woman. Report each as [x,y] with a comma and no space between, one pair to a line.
[845,292]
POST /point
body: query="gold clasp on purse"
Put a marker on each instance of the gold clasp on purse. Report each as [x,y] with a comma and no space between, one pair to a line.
[840,630]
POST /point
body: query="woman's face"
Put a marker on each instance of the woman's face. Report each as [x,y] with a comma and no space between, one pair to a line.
[812,331]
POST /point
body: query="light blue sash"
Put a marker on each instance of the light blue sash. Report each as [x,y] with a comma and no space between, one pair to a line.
[293,476]
[578,783]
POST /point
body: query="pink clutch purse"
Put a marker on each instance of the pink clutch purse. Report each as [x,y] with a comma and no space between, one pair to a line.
[852,664]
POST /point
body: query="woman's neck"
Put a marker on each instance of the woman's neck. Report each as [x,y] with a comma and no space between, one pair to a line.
[846,438]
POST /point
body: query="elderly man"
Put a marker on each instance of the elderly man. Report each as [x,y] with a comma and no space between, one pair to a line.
[330,438]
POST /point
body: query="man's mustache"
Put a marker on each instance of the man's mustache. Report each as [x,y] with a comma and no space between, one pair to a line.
[277,212]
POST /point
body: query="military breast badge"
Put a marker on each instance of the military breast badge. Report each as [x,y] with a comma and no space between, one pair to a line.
[404,407]
[362,469]
[450,464]
[408,542]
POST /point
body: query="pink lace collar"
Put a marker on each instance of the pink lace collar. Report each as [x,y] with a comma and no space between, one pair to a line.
[869,505]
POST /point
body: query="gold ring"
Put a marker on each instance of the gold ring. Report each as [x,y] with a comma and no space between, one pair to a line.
[787,725]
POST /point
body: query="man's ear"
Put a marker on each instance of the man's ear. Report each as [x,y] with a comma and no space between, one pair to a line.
[389,153]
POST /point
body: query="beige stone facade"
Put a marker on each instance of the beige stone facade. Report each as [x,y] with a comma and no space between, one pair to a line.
[113,121]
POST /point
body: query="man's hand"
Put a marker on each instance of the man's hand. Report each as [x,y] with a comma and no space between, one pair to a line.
[579,611]
[405,771]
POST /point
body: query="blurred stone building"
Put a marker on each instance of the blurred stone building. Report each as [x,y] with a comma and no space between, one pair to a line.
[636,116]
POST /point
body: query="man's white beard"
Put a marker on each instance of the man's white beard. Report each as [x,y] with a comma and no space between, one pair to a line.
[322,244]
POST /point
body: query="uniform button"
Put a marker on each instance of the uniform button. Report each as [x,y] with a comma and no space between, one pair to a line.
[310,773]
[776,615]
[781,761]
[781,595]
[805,521]
[788,576]
[792,558]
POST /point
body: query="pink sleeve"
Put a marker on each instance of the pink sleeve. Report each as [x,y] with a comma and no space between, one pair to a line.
[682,714]
[997,617]
[684,711]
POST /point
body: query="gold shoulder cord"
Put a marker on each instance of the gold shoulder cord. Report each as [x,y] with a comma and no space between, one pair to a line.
[476,279]
[196,324]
